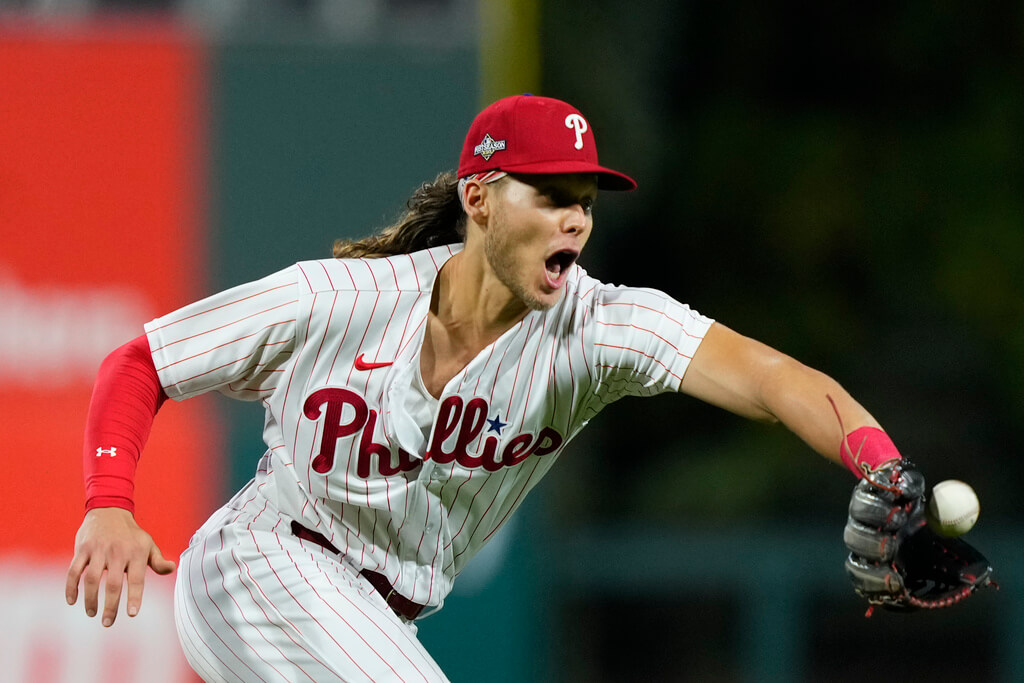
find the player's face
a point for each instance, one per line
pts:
(541, 223)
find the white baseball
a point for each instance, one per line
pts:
(953, 508)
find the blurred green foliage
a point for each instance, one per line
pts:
(842, 181)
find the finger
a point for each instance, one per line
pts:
(136, 585)
(78, 564)
(872, 579)
(158, 563)
(91, 585)
(869, 543)
(115, 580)
(874, 511)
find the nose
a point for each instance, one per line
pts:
(575, 219)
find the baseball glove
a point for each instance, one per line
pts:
(896, 560)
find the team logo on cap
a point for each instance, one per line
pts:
(579, 124)
(488, 147)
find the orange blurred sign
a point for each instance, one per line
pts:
(101, 186)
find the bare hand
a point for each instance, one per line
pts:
(110, 540)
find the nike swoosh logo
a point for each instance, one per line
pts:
(366, 365)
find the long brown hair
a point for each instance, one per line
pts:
(433, 217)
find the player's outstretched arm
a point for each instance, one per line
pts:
(894, 561)
(110, 541)
(756, 381)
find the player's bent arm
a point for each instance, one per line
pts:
(751, 379)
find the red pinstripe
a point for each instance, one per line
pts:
(568, 360)
(585, 295)
(419, 545)
(291, 375)
(363, 613)
(644, 329)
(219, 367)
(244, 506)
(369, 269)
(177, 321)
(269, 619)
(354, 630)
(387, 551)
(628, 381)
(309, 379)
(483, 515)
(490, 401)
(529, 389)
(329, 280)
(233, 341)
(366, 329)
(511, 401)
(415, 271)
(192, 623)
(433, 561)
(412, 336)
(472, 503)
(661, 312)
(308, 613)
(457, 492)
(202, 571)
(515, 503)
(515, 380)
(384, 334)
(310, 476)
(227, 325)
(305, 276)
(349, 271)
(405, 328)
(394, 272)
(373, 531)
(348, 380)
(583, 346)
(258, 514)
(234, 386)
(645, 355)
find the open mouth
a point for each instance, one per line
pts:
(558, 264)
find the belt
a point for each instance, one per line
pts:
(398, 603)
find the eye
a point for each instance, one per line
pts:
(588, 204)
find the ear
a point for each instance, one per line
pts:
(477, 198)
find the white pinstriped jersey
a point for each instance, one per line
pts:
(332, 349)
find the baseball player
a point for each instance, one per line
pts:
(417, 386)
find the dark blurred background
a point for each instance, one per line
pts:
(842, 181)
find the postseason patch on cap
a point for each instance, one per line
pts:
(488, 146)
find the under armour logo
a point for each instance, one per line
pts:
(488, 147)
(112, 451)
(580, 124)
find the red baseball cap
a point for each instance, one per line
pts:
(530, 134)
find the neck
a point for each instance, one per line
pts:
(467, 313)
(472, 303)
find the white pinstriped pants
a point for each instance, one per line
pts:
(254, 605)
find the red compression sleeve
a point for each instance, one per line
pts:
(866, 450)
(125, 399)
